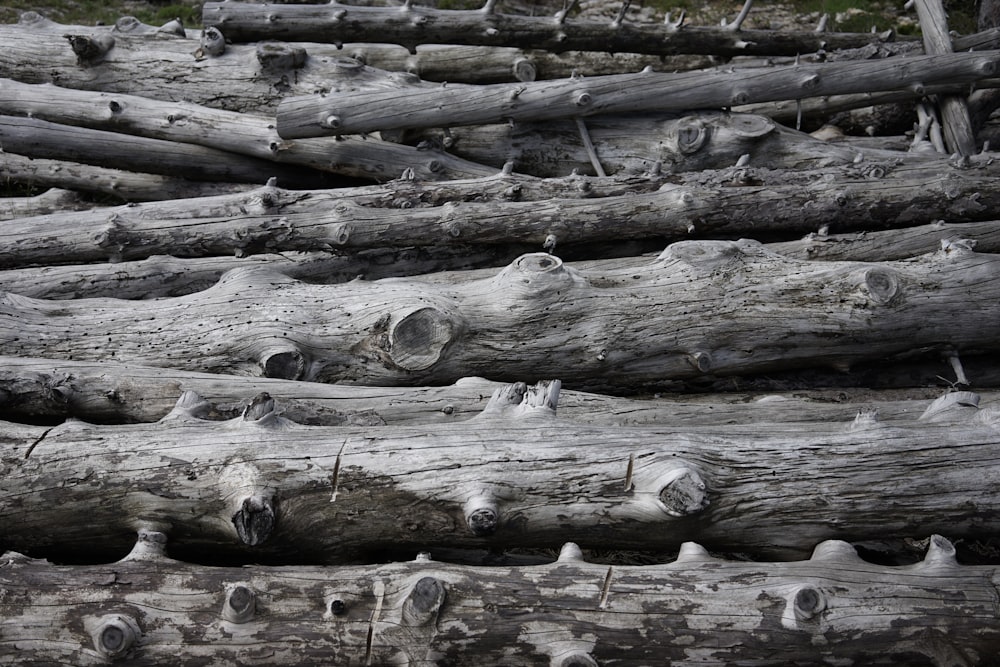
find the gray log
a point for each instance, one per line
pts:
(131, 186)
(696, 610)
(46, 202)
(446, 106)
(895, 244)
(112, 392)
(41, 139)
(412, 25)
(516, 476)
(704, 307)
(868, 195)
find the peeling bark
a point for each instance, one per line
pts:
(696, 610)
(354, 492)
(703, 308)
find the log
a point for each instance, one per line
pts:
(867, 195)
(697, 609)
(111, 392)
(242, 134)
(412, 25)
(515, 476)
(446, 106)
(49, 201)
(123, 185)
(633, 144)
(895, 244)
(41, 139)
(703, 308)
(245, 78)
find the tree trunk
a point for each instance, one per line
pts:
(242, 134)
(516, 476)
(703, 308)
(111, 392)
(697, 610)
(50, 201)
(651, 92)
(412, 25)
(732, 202)
(131, 186)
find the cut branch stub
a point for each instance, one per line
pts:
(240, 604)
(89, 48)
(255, 520)
(287, 364)
(807, 602)
(482, 515)
(149, 545)
(115, 635)
(577, 659)
(424, 601)
(682, 492)
(417, 340)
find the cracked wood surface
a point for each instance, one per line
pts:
(697, 610)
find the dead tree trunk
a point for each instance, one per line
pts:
(704, 307)
(516, 476)
(895, 244)
(651, 92)
(732, 202)
(698, 609)
(412, 25)
(50, 201)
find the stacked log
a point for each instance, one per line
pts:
(320, 349)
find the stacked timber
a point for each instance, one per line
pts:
(359, 335)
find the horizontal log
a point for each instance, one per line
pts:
(742, 201)
(112, 392)
(894, 244)
(703, 308)
(49, 201)
(515, 476)
(412, 25)
(132, 186)
(651, 92)
(697, 609)
(241, 134)
(41, 139)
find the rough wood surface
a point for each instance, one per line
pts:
(412, 25)
(739, 201)
(242, 134)
(50, 201)
(111, 392)
(697, 610)
(652, 92)
(702, 308)
(515, 476)
(894, 244)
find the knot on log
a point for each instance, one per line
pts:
(482, 515)
(536, 275)
(835, 551)
(149, 545)
(690, 134)
(115, 635)
(682, 492)
(417, 340)
(286, 364)
(240, 604)
(802, 605)
(706, 255)
(881, 285)
(255, 520)
(277, 56)
(422, 604)
(518, 400)
(90, 48)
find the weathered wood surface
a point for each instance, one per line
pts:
(168, 67)
(516, 476)
(35, 138)
(131, 186)
(112, 392)
(742, 201)
(703, 308)
(241, 134)
(412, 25)
(894, 244)
(652, 92)
(50, 201)
(696, 610)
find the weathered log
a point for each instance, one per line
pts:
(683, 317)
(633, 144)
(697, 610)
(244, 78)
(112, 392)
(867, 195)
(446, 106)
(895, 244)
(412, 25)
(959, 134)
(128, 185)
(49, 201)
(37, 138)
(515, 476)
(242, 134)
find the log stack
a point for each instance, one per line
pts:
(358, 335)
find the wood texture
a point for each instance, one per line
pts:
(697, 610)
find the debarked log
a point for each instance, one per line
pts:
(696, 610)
(734, 202)
(242, 134)
(894, 244)
(49, 201)
(411, 25)
(113, 392)
(647, 91)
(262, 487)
(702, 309)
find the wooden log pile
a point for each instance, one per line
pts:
(365, 335)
